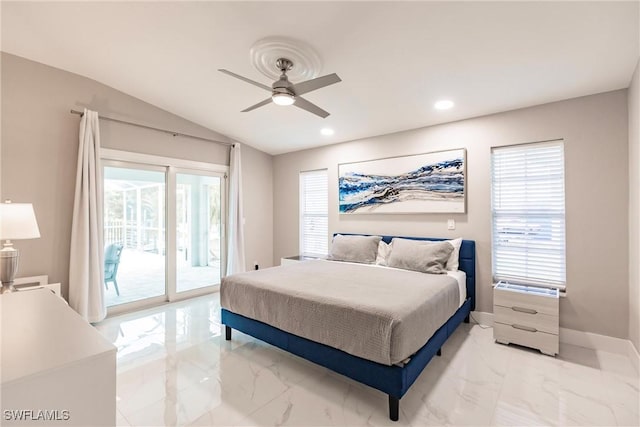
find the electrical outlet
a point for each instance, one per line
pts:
(451, 224)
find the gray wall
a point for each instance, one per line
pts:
(634, 208)
(596, 143)
(257, 187)
(39, 155)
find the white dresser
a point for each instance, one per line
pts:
(56, 369)
(526, 315)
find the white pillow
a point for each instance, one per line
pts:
(425, 256)
(453, 262)
(383, 253)
(354, 248)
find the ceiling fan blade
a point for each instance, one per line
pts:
(317, 83)
(265, 87)
(308, 106)
(259, 104)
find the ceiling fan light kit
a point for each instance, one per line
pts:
(283, 92)
(282, 99)
(282, 95)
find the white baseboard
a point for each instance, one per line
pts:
(634, 356)
(482, 318)
(594, 341)
(581, 339)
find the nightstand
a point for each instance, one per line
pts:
(298, 258)
(526, 315)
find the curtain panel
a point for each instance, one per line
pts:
(86, 261)
(235, 235)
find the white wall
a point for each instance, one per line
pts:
(596, 143)
(40, 145)
(634, 208)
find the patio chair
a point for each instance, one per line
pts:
(111, 261)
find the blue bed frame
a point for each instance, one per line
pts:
(392, 380)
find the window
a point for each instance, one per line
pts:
(314, 223)
(528, 213)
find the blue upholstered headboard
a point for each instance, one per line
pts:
(467, 261)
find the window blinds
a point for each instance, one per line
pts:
(528, 210)
(314, 224)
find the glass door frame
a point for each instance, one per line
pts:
(171, 166)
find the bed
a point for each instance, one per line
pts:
(388, 356)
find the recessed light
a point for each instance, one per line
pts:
(327, 131)
(443, 104)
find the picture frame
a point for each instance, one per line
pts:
(433, 182)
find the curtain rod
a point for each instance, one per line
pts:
(170, 132)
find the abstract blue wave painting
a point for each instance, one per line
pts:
(421, 183)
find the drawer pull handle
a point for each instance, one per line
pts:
(524, 310)
(525, 328)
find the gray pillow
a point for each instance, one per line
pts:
(362, 249)
(420, 255)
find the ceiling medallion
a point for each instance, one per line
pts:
(265, 53)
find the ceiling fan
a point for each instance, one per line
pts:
(283, 92)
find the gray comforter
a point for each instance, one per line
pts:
(380, 314)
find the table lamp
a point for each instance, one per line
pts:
(17, 222)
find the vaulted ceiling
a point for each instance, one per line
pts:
(395, 58)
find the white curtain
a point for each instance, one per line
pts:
(235, 234)
(86, 264)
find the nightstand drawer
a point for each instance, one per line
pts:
(526, 317)
(526, 302)
(506, 334)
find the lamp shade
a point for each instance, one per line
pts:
(18, 221)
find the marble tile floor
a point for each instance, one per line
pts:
(175, 368)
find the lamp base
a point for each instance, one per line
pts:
(8, 267)
(7, 288)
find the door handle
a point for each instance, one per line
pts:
(524, 328)
(524, 310)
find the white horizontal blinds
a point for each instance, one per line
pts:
(528, 213)
(314, 223)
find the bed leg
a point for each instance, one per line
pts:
(394, 408)
(227, 333)
(439, 352)
(467, 319)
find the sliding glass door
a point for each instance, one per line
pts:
(134, 233)
(142, 260)
(199, 208)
